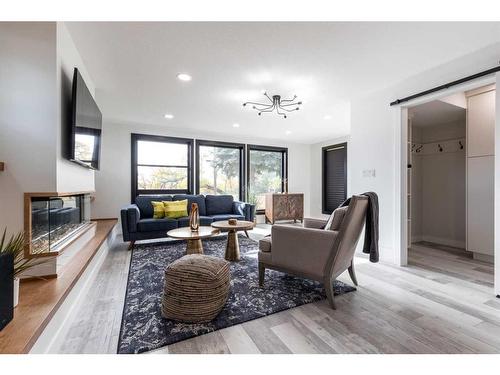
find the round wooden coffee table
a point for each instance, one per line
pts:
(194, 245)
(232, 245)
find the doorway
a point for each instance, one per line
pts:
(450, 184)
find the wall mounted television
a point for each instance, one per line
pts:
(86, 125)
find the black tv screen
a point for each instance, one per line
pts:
(86, 125)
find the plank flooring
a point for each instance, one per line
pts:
(40, 298)
(442, 302)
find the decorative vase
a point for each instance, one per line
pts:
(16, 291)
(194, 218)
(6, 289)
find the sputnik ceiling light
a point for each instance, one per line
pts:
(276, 104)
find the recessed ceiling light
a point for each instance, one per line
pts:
(288, 132)
(168, 116)
(236, 125)
(327, 117)
(184, 77)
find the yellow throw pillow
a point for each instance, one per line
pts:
(158, 210)
(176, 209)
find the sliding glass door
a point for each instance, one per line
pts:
(220, 168)
(267, 173)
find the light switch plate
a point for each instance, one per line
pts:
(369, 173)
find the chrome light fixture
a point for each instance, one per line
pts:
(276, 104)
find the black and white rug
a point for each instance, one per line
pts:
(143, 328)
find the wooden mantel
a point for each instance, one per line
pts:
(40, 299)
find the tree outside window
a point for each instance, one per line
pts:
(219, 170)
(266, 174)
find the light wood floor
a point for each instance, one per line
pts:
(442, 302)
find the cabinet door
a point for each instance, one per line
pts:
(480, 207)
(281, 207)
(481, 124)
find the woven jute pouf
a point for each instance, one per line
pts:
(196, 288)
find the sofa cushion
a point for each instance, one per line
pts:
(175, 209)
(219, 204)
(145, 206)
(227, 217)
(158, 210)
(199, 199)
(336, 218)
(154, 225)
(265, 244)
(204, 221)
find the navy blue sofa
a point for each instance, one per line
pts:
(138, 223)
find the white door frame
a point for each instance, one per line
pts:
(400, 120)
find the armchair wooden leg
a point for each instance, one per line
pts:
(352, 273)
(246, 233)
(330, 293)
(262, 273)
(131, 245)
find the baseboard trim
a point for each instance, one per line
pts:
(441, 241)
(483, 257)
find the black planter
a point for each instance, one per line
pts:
(6, 289)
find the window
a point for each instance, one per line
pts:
(334, 177)
(220, 168)
(87, 145)
(267, 172)
(161, 165)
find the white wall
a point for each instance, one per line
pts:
(375, 134)
(457, 99)
(71, 177)
(316, 174)
(439, 194)
(416, 190)
(113, 181)
(497, 190)
(35, 58)
(28, 116)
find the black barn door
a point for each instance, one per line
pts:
(334, 176)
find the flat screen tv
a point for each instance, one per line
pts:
(86, 125)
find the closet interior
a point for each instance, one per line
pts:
(451, 174)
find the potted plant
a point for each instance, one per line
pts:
(14, 249)
(6, 288)
(253, 200)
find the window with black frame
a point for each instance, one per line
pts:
(219, 169)
(161, 165)
(267, 171)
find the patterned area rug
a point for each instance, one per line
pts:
(143, 328)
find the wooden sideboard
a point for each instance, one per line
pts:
(286, 206)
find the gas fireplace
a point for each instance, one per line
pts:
(54, 221)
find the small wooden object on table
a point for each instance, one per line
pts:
(232, 245)
(194, 245)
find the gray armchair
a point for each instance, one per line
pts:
(313, 252)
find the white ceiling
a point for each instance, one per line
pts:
(134, 67)
(436, 113)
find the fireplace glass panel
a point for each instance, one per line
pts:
(54, 220)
